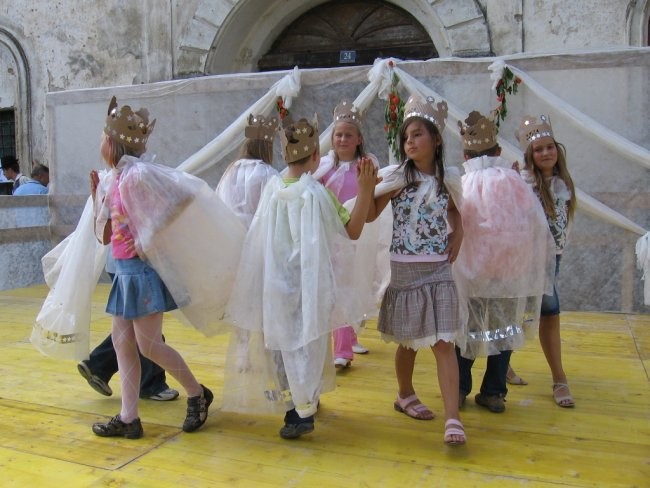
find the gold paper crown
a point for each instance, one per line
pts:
(132, 129)
(261, 128)
(347, 112)
(529, 130)
(417, 107)
(303, 140)
(479, 133)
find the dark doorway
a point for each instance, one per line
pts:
(348, 33)
(7, 133)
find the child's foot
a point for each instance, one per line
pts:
(562, 395)
(293, 431)
(454, 433)
(116, 428)
(295, 425)
(342, 363)
(513, 379)
(359, 349)
(197, 410)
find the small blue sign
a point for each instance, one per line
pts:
(347, 56)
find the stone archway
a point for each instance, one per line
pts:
(225, 38)
(22, 102)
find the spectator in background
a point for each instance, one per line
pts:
(11, 171)
(37, 185)
(40, 173)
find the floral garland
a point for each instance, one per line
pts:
(394, 115)
(508, 83)
(282, 110)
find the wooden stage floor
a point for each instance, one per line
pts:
(46, 411)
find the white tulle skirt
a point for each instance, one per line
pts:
(506, 261)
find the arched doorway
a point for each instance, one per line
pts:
(370, 29)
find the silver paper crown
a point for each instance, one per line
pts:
(347, 112)
(124, 126)
(418, 107)
(478, 133)
(303, 139)
(261, 128)
(530, 130)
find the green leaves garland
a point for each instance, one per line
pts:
(508, 84)
(393, 116)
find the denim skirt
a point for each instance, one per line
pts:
(137, 291)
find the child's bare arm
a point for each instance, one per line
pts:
(456, 236)
(107, 231)
(367, 178)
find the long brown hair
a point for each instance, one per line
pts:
(257, 149)
(560, 169)
(410, 171)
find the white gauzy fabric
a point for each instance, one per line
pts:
(287, 286)
(241, 186)
(373, 243)
(643, 263)
(507, 259)
(71, 270)
(232, 136)
(176, 220)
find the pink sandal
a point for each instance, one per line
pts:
(413, 407)
(454, 427)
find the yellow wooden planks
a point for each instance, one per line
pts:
(47, 409)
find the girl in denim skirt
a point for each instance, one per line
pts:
(546, 170)
(138, 297)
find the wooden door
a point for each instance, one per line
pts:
(348, 33)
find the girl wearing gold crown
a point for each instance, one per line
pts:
(421, 306)
(287, 285)
(153, 260)
(338, 172)
(546, 170)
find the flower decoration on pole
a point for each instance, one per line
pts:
(282, 110)
(393, 116)
(507, 84)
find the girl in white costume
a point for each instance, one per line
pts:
(546, 170)
(506, 262)
(338, 172)
(286, 285)
(249, 366)
(138, 296)
(420, 306)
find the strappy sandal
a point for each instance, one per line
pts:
(454, 427)
(564, 401)
(413, 407)
(513, 379)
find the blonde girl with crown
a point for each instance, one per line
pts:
(287, 285)
(420, 308)
(127, 204)
(338, 172)
(546, 171)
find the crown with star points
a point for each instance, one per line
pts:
(259, 127)
(347, 112)
(425, 109)
(299, 139)
(478, 132)
(124, 126)
(530, 130)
